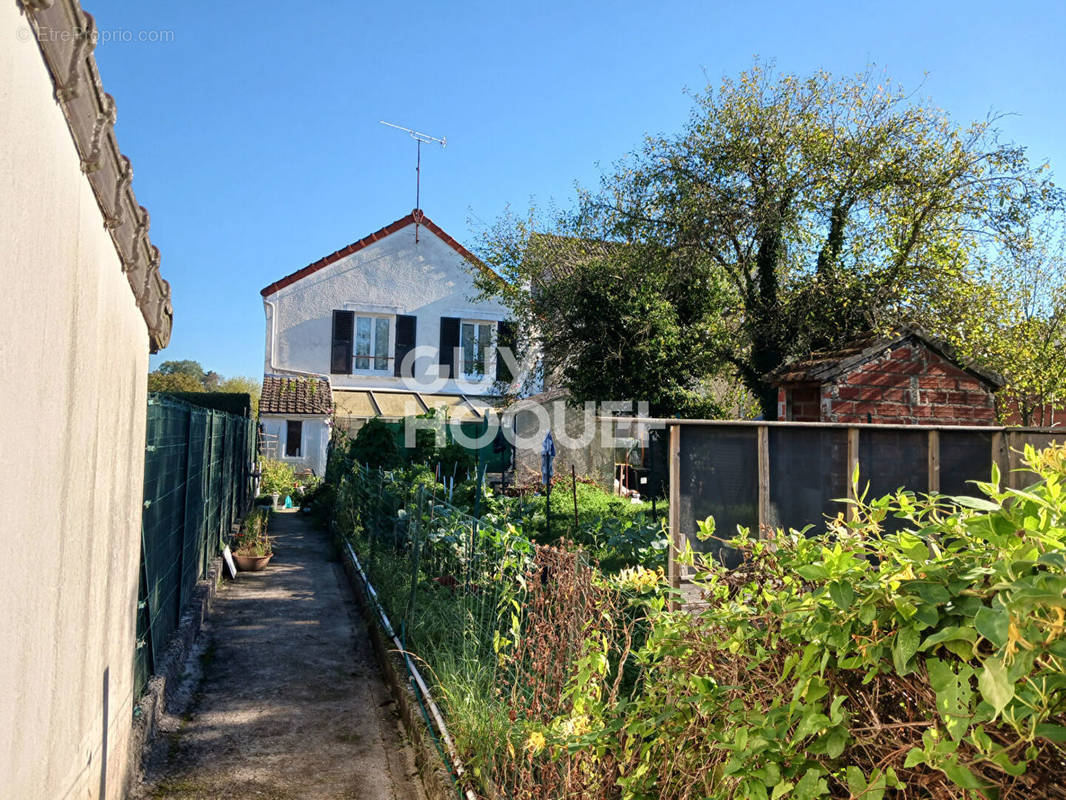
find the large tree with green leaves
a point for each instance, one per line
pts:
(805, 212)
(1014, 321)
(190, 376)
(160, 381)
(187, 367)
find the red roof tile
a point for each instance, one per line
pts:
(295, 395)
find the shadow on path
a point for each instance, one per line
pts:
(290, 704)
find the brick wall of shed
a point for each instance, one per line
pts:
(799, 402)
(909, 385)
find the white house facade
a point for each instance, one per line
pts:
(391, 321)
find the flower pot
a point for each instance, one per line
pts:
(251, 563)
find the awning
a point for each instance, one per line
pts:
(370, 403)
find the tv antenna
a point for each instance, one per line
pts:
(419, 138)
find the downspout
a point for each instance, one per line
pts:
(272, 368)
(273, 334)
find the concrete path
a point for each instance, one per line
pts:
(290, 703)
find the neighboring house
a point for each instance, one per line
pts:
(907, 378)
(392, 323)
(83, 305)
(294, 415)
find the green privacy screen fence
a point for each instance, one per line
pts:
(197, 482)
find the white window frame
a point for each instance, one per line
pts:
(490, 350)
(390, 348)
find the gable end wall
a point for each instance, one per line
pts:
(908, 385)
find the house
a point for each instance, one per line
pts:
(391, 322)
(83, 305)
(295, 418)
(904, 378)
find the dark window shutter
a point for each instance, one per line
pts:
(405, 342)
(293, 436)
(341, 349)
(504, 338)
(449, 342)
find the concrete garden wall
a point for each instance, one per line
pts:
(73, 360)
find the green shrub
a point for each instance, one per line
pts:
(930, 661)
(612, 529)
(277, 477)
(375, 446)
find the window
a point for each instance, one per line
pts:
(475, 342)
(294, 435)
(372, 344)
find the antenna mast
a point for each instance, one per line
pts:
(419, 138)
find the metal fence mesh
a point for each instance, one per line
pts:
(196, 483)
(719, 478)
(965, 456)
(808, 469)
(439, 572)
(808, 473)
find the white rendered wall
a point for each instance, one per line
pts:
(74, 360)
(313, 447)
(394, 275)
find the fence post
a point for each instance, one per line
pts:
(764, 480)
(997, 453)
(184, 511)
(673, 567)
(853, 463)
(1014, 476)
(933, 447)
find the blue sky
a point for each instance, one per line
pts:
(256, 147)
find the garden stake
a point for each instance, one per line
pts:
(573, 479)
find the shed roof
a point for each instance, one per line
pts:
(295, 394)
(825, 365)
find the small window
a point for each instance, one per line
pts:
(372, 344)
(475, 342)
(294, 435)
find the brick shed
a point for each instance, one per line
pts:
(906, 378)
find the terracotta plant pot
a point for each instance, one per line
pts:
(251, 563)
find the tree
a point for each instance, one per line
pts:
(243, 385)
(173, 382)
(812, 210)
(189, 376)
(1016, 322)
(190, 368)
(616, 322)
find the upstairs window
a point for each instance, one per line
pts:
(475, 341)
(372, 344)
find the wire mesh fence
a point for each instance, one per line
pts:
(496, 622)
(442, 575)
(196, 484)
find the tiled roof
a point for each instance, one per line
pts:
(558, 256)
(415, 216)
(825, 365)
(66, 36)
(283, 394)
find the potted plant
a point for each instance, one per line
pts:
(252, 547)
